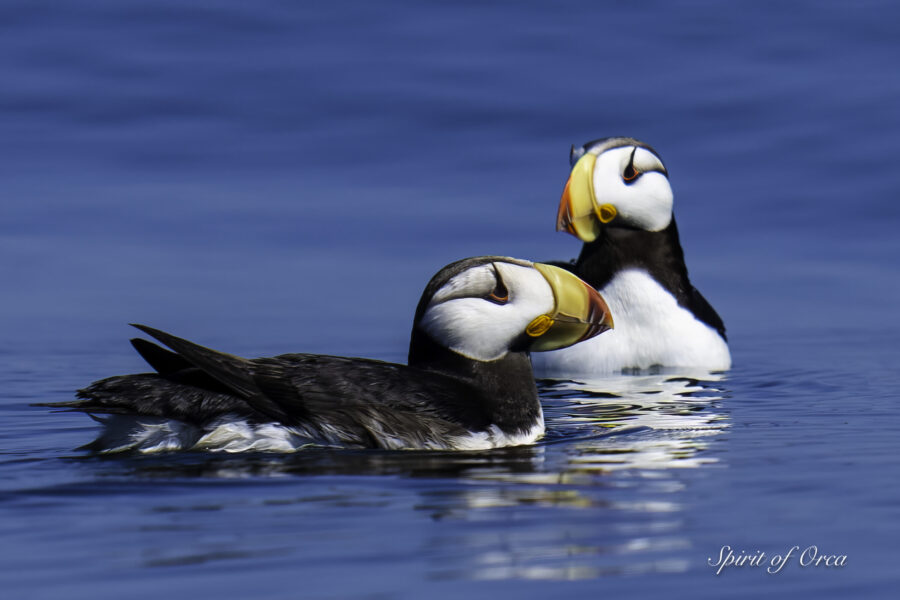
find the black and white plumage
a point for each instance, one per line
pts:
(618, 201)
(468, 384)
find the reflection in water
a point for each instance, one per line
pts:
(604, 498)
(666, 421)
(601, 495)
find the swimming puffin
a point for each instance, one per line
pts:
(618, 201)
(468, 384)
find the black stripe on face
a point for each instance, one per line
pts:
(630, 174)
(499, 295)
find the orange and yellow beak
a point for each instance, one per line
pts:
(579, 312)
(579, 213)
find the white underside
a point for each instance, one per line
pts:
(494, 437)
(651, 329)
(232, 434)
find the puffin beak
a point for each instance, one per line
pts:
(579, 312)
(576, 207)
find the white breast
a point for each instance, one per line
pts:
(650, 329)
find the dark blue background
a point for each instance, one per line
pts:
(273, 176)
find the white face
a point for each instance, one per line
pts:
(464, 316)
(630, 178)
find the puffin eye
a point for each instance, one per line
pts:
(499, 295)
(630, 173)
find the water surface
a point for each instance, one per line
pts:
(268, 178)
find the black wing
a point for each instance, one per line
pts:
(704, 311)
(353, 400)
(163, 361)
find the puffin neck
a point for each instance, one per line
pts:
(616, 249)
(505, 386)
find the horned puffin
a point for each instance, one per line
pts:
(468, 383)
(618, 201)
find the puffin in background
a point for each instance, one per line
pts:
(618, 201)
(468, 384)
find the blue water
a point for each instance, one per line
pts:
(269, 177)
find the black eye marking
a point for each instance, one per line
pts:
(630, 173)
(499, 295)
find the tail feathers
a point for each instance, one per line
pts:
(123, 394)
(152, 395)
(85, 404)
